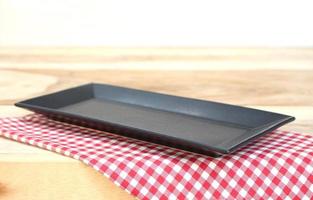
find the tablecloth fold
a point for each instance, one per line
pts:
(278, 165)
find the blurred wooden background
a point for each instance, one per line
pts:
(279, 80)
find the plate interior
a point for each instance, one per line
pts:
(211, 125)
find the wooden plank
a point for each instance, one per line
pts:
(156, 58)
(260, 87)
(55, 180)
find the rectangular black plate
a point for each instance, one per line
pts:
(199, 126)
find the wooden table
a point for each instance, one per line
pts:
(279, 80)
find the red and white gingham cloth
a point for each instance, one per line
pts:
(276, 166)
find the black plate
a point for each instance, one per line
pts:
(200, 126)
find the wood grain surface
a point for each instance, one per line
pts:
(278, 80)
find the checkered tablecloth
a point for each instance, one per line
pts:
(276, 166)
